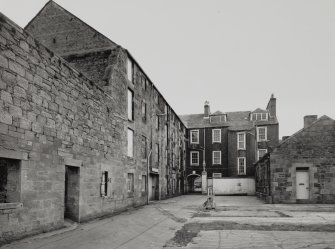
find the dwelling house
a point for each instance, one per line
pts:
(301, 169)
(83, 130)
(225, 145)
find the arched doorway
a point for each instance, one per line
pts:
(194, 183)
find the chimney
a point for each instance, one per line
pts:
(309, 119)
(272, 106)
(206, 109)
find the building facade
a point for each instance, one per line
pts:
(84, 132)
(302, 168)
(226, 145)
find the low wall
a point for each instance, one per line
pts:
(234, 186)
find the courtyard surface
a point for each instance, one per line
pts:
(182, 222)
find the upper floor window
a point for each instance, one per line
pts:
(259, 116)
(216, 135)
(157, 153)
(241, 165)
(130, 104)
(216, 157)
(144, 111)
(157, 122)
(261, 153)
(130, 70)
(262, 133)
(194, 136)
(241, 140)
(130, 145)
(144, 147)
(195, 158)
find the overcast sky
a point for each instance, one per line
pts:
(234, 54)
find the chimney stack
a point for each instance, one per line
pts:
(272, 106)
(206, 109)
(309, 119)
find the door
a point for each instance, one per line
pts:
(71, 195)
(302, 185)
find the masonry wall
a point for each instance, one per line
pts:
(313, 149)
(52, 116)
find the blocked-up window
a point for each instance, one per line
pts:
(130, 104)
(157, 153)
(144, 147)
(144, 183)
(241, 164)
(262, 133)
(241, 140)
(216, 157)
(130, 145)
(216, 134)
(130, 70)
(10, 180)
(144, 111)
(194, 158)
(157, 122)
(130, 182)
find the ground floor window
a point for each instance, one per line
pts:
(10, 180)
(130, 184)
(241, 164)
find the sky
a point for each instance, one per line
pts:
(234, 54)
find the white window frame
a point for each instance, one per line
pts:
(130, 143)
(238, 166)
(258, 133)
(213, 161)
(130, 69)
(266, 151)
(197, 153)
(238, 141)
(191, 137)
(213, 137)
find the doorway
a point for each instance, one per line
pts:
(302, 184)
(71, 195)
(153, 187)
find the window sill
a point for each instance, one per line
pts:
(13, 205)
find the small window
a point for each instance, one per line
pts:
(216, 135)
(262, 133)
(217, 175)
(130, 140)
(216, 157)
(166, 134)
(144, 111)
(241, 140)
(195, 158)
(261, 153)
(144, 147)
(130, 70)
(241, 165)
(144, 183)
(130, 182)
(104, 183)
(194, 136)
(130, 104)
(10, 180)
(157, 153)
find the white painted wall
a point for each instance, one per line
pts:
(231, 186)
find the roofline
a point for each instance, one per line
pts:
(52, 1)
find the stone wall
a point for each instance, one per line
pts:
(313, 149)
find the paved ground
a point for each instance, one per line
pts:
(181, 222)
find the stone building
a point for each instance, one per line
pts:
(226, 145)
(302, 168)
(83, 130)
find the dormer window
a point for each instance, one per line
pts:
(259, 116)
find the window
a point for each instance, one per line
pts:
(194, 136)
(104, 183)
(166, 134)
(144, 147)
(241, 165)
(157, 122)
(195, 158)
(262, 133)
(130, 70)
(261, 153)
(130, 152)
(216, 157)
(144, 110)
(9, 180)
(157, 153)
(259, 116)
(144, 183)
(130, 184)
(241, 140)
(217, 175)
(216, 135)
(130, 104)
